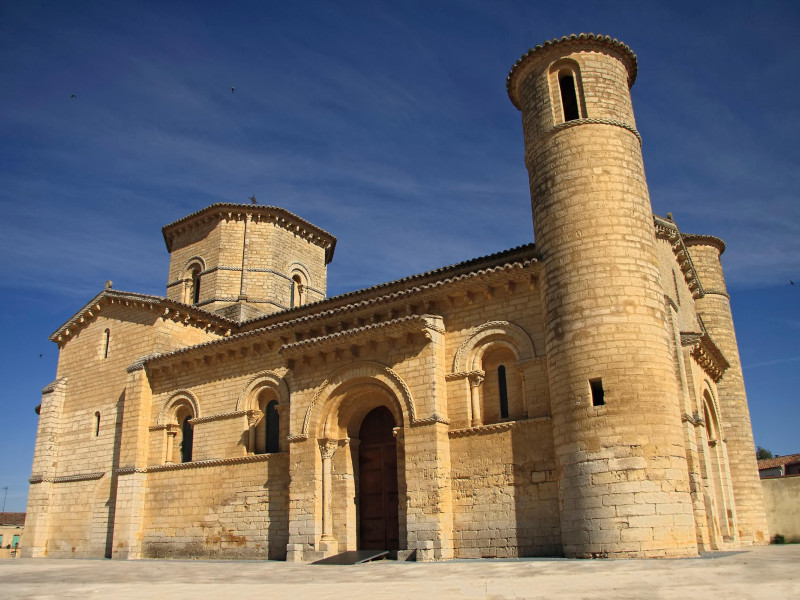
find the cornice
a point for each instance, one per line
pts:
(66, 478)
(697, 239)
(361, 335)
(257, 213)
(520, 256)
(220, 417)
(494, 427)
(54, 385)
(173, 310)
(668, 230)
(279, 331)
(706, 353)
(620, 49)
(200, 464)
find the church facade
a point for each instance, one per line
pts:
(581, 397)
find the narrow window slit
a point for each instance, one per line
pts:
(569, 99)
(97, 424)
(187, 438)
(598, 395)
(272, 427)
(501, 381)
(106, 342)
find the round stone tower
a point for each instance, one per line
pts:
(715, 310)
(623, 477)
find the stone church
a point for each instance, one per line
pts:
(579, 397)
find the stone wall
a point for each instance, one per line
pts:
(505, 493)
(782, 505)
(219, 511)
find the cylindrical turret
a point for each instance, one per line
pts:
(623, 478)
(715, 310)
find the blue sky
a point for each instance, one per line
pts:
(385, 123)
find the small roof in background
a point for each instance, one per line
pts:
(768, 463)
(12, 518)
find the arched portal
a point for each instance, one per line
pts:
(377, 489)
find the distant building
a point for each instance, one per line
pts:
(11, 526)
(779, 466)
(580, 397)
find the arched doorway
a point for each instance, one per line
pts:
(377, 487)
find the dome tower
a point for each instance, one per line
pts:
(623, 478)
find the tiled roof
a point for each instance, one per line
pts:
(769, 463)
(498, 262)
(139, 300)
(12, 518)
(315, 234)
(450, 271)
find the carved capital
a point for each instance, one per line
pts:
(253, 417)
(476, 378)
(328, 448)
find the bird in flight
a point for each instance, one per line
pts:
(792, 282)
(73, 96)
(253, 199)
(233, 88)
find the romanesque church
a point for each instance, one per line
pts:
(579, 397)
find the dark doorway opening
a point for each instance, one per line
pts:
(377, 486)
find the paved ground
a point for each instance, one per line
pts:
(761, 573)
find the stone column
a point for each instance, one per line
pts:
(253, 417)
(327, 544)
(172, 432)
(475, 382)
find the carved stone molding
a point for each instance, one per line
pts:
(67, 478)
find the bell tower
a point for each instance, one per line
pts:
(623, 481)
(243, 261)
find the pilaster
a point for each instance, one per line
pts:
(131, 481)
(45, 461)
(429, 514)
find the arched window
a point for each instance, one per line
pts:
(191, 280)
(569, 96)
(273, 443)
(106, 342)
(196, 285)
(97, 424)
(566, 91)
(267, 431)
(298, 290)
(503, 390)
(187, 438)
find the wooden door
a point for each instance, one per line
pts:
(377, 489)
